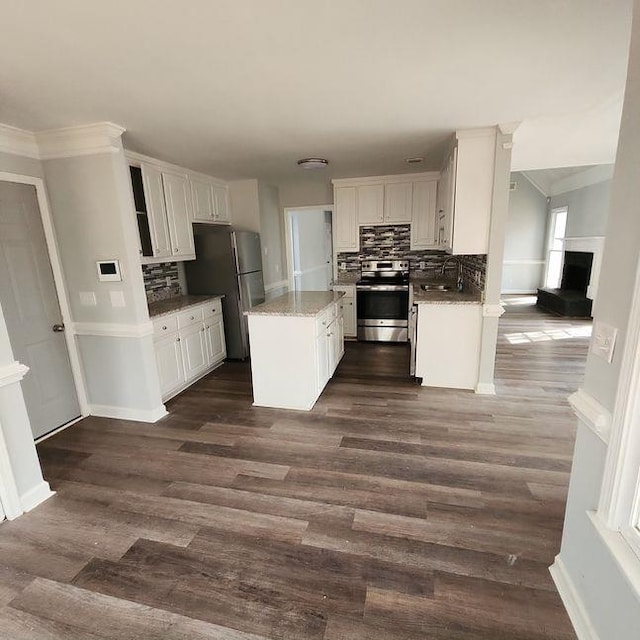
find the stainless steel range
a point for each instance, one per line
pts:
(383, 301)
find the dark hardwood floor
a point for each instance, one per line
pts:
(389, 512)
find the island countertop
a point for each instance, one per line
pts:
(296, 303)
(445, 297)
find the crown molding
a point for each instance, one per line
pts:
(18, 142)
(478, 132)
(100, 137)
(591, 175)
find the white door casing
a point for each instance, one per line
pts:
(31, 309)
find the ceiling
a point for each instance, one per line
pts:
(243, 88)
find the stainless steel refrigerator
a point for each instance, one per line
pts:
(228, 262)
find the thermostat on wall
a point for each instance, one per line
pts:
(109, 270)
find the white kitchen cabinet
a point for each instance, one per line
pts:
(156, 211)
(397, 202)
(370, 203)
(448, 345)
(345, 224)
(179, 213)
(214, 339)
(221, 209)
(188, 344)
(467, 192)
(424, 216)
(322, 360)
(194, 350)
(202, 196)
(169, 362)
(348, 306)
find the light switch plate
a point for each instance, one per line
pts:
(88, 298)
(603, 340)
(117, 299)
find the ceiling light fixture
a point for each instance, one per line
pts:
(313, 163)
(416, 160)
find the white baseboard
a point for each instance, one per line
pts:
(32, 498)
(486, 389)
(518, 292)
(125, 413)
(572, 602)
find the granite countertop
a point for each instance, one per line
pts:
(171, 305)
(445, 297)
(346, 280)
(297, 303)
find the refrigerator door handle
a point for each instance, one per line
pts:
(234, 251)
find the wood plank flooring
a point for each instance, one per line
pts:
(390, 511)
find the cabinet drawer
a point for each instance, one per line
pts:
(164, 326)
(213, 308)
(189, 317)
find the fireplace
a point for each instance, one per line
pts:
(571, 298)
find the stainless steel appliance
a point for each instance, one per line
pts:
(228, 262)
(383, 301)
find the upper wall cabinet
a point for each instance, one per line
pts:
(408, 199)
(465, 197)
(210, 201)
(179, 213)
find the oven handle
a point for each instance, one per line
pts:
(382, 287)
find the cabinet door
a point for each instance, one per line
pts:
(424, 217)
(349, 315)
(156, 211)
(202, 196)
(339, 338)
(370, 204)
(397, 202)
(194, 352)
(322, 358)
(169, 361)
(221, 212)
(178, 199)
(216, 347)
(346, 223)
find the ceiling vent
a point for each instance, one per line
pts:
(313, 163)
(417, 160)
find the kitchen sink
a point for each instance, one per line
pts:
(437, 287)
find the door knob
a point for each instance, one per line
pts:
(58, 328)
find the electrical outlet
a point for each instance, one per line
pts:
(603, 340)
(167, 281)
(423, 264)
(117, 299)
(88, 298)
(343, 266)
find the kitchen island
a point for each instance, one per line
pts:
(296, 343)
(448, 337)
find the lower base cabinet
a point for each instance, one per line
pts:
(185, 353)
(348, 304)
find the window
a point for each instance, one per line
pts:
(557, 230)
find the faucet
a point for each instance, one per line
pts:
(459, 282)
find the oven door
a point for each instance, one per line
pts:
(383, 313)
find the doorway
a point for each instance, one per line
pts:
(309, 248)
(32, 312)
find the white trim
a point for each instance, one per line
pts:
(486, 389)
(592, 414)
(99, 137)
(113, 330)
(58, 278)
(588, 244)
(507, 262)
(12, 373)
(620, 477)
(46, 436)
(124, 413)
(281, 284)
(18, 142)
(8, 491)
(492, 310)
(534, 183)
(518, 292)
(32, 498)
(427, 176)
(586, 178)
(572, 602)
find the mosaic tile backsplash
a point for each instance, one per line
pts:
(393, 242)
(155, 281)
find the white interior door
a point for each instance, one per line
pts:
(32, 313)
(312, 250)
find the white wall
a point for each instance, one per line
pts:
(524, 251)
(271, 235)
(588, 209)
(612, 605)
(92, 211)
(306, 191)
(245, 205)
